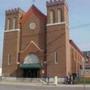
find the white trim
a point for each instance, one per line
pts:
(59, 23)
(29, 45)
(18, 43)
(35, 44)
(12, 30)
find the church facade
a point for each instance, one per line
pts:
(37, 45)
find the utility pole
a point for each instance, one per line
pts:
(84, 88)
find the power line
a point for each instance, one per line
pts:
(80, 26)
(32, 35)
(59, 37)
(73, 27)
(57, 48)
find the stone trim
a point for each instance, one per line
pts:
(31, 42)
(51, 24)
(12, 30)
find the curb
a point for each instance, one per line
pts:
(40, 84)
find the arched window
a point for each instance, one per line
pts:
(9, 59)
(14, 23)
(52, 16)
(59, 15)
(8, 24)
(55, 58)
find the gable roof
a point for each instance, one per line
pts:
(34, 10)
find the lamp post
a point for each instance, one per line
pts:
(44, 69)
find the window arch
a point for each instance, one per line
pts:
(31, 59)
(52, 16)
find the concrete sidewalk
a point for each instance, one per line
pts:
(20, 83)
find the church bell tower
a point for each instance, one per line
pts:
(11, 41)
(58, 52)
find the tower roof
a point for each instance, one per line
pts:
(13, 11)
(76, 47)
(34, 10)
(55, 2)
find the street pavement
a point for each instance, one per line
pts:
(20, 87)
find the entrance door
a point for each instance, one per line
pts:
(31, 73)
(31, 66)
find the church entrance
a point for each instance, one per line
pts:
(31, 67)
(31, 70)
(31, 73)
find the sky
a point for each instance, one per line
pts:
(79, 21)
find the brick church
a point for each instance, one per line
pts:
(37, 45)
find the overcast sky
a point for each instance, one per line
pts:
(79, 21)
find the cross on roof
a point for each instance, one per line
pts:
(33, 1)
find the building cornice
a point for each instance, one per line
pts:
(59, 23)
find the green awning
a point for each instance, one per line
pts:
(31, 66)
